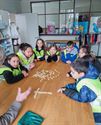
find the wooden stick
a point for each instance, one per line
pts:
(49, 93)
(36, 93)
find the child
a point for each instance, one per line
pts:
(26, 56)
(70, 53)
(87, 56)
(94, 63)
(53, 54)
(12, 70)
(87, 87)
(11, 114)
(83, 51)
(40, 50)
(84, 54)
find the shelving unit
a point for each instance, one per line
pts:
(59, 40)
(61, 44)
(5, 40)
(6, 44)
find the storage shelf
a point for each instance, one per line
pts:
(58, 35)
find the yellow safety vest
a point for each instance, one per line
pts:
(24, 60)
(95, 86)
(14, 71)
(57, 53)
(39, 54)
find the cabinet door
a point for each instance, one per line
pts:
(28, 27)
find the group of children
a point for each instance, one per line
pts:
(84, 68)
(16, 66)
(86, 71)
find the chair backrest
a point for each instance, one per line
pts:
(2, 58)
(2, 55)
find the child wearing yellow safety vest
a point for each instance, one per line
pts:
(85, 55)
(39, 50)
(70, 53)
(87, 88)
(26, 56)
(12, 70)
(53, 54)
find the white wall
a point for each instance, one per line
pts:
(13, 6)
(25, 5)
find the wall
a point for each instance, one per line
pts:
(13, 6)
(25, 5)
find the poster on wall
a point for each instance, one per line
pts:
(81, 27)
(51, 28)
(95, 25)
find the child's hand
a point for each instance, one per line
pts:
(23, 96)
(58, 59)
(46, 57)
(35, 60)
(38, 59)
(68, 62)
(61, 90)
(32, 65)
(67, 75)
(24, 73)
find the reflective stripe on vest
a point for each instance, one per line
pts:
(39, 54)
(24, 60)
(17, 71)
(14, 71)
(48, 53)
(4, 68)
(66, 52)
(95, 86)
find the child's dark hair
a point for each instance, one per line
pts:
(85, 49)
(90, 59)
(43, 46)
(9, 57)
(80, 66)
(69, 43)
(24, 46)
(53, 45)
(87, 58)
